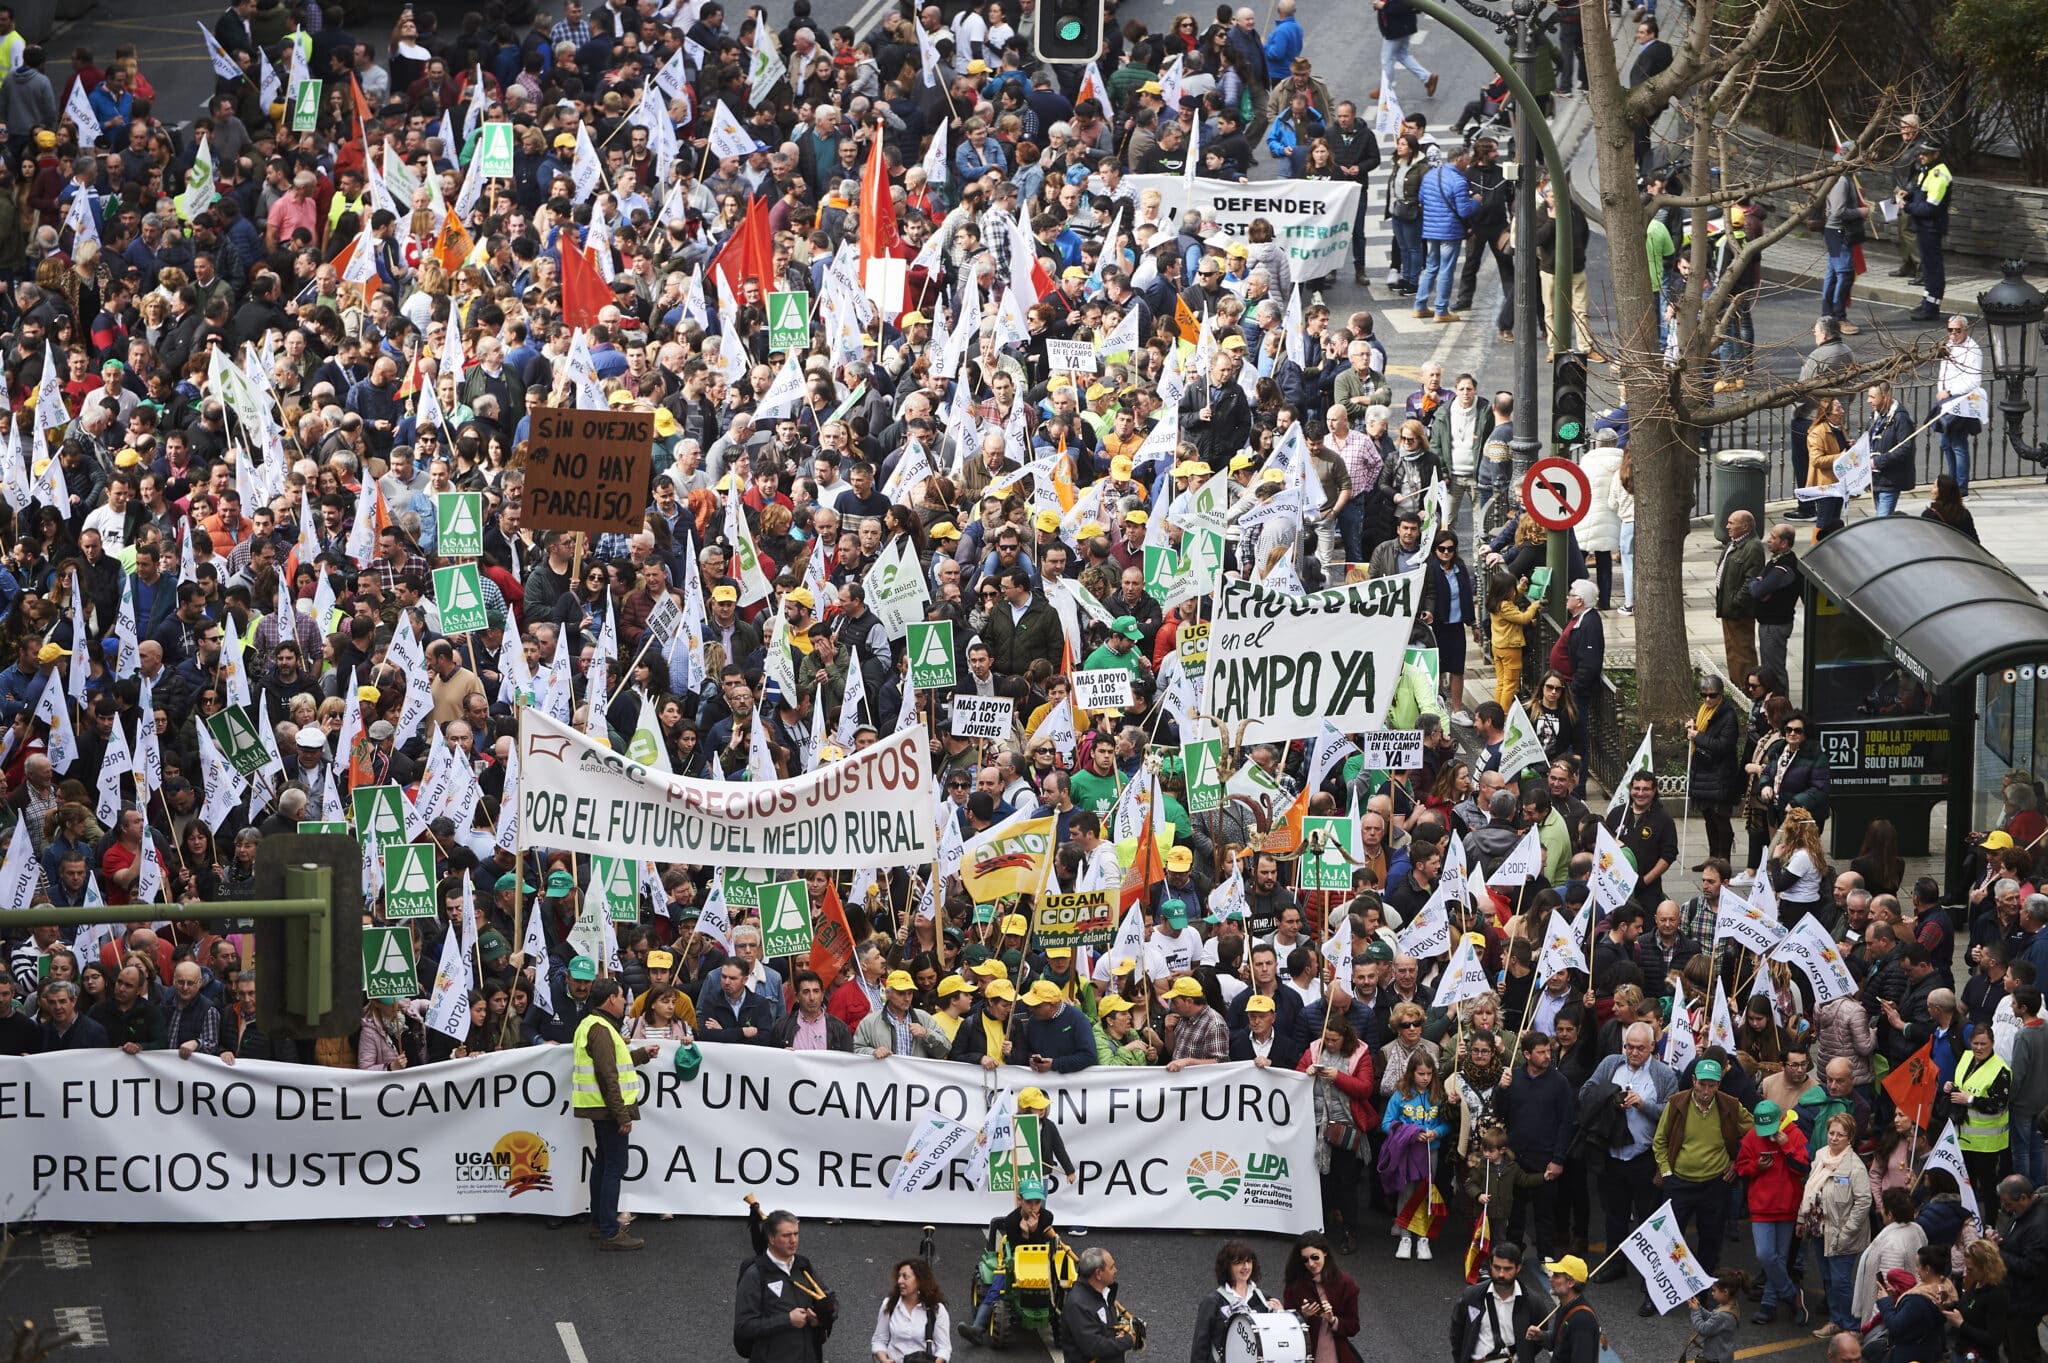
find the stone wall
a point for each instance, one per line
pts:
(1989, 220)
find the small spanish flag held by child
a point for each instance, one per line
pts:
(1423, 1212)
(1479, 1253)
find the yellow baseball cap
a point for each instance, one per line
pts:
(1032, 1100)
(899, 979)
(1258, 1003)
(1240, 462)
(1047, 521)
(1572, 1266)
(1136, 516)
(51, 653)
(1073, 272)
(1185, 987)
(944, 530)
(725, 594)
(1238, 248)
(1058, 953)
(914, 319)
(1233, 342)
(1091, 530)
(802, 596)
(565, 140)
(1045, 991)
(1125, 966)
(1015, 923)
(1120, 467)
(952, 985)
(1001, 989)
(1179, 859)
(1115, 1003)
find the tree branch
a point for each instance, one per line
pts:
(1835, 383)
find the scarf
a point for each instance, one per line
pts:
(1825, 1163)
(1705, 714)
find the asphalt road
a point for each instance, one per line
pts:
(509, 1288)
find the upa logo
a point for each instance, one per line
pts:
(1213, 1175)
(517, 1164)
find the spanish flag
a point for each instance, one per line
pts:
(1423, 1212)
(1479, 1253)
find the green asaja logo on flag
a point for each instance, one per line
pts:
(931, 655)
(459, 592)
(460, 524)
(785, 918)
(1203, 763)
(408, 880)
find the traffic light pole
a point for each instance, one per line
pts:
(308, 938)
(1526, 446)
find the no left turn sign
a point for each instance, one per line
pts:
(1556, 493)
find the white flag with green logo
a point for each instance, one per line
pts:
(645, 746)
(1642, 761)
(1520, 749)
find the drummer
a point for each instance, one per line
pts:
(1029, 1223)
(1237, 1293)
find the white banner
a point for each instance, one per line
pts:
(1312, 217)
(1736, 917)
(1671, 1272)
(1809, 947)
(873, 808)
(1290, 662)
(104, 1136)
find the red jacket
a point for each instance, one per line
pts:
(849, 1003)
(1774, 1192)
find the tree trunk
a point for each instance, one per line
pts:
(1662, 449)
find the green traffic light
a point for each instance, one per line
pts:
(1070, 30)
(1568, 430)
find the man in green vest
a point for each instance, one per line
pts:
(606, 1089)
(1980, 1100)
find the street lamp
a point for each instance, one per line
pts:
(2013, 310)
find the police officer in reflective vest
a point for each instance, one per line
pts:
(1980, 1098)
(607, 1089)
(1927, 207)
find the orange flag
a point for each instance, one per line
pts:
(1146, 868)
(362, 108)
(1914, 1083)
(1190, 325)
(831, 938)
(453, 245)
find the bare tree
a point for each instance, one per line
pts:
(1720, 58)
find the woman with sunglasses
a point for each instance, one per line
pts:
(1449, 587)
(1325, 1296)
(1795, 774)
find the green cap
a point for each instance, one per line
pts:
(1127, 627)
(975, 954)
(688, 1060)
(1379, 950)
(1768, 1116)
(560, 884)
(491, 944)
(583, 968)
(1707, 1069)
(508, 880)
(1031, 1189)
(1176, 914)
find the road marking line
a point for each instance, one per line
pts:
(66, 1250)
(571, 1345)
(866, 16)
(86, 1325)
(1776, 1348)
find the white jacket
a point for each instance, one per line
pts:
(1962, 371)
(1600, 532)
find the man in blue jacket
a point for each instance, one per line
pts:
(1059, 1036)
(1448, 203)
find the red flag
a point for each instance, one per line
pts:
(584, 293)
(749, 253)
(877, 208)
(831, 938)
(1146, 868)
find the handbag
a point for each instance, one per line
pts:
(1854, 232)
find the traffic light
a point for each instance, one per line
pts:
(1070, 30)
(311, 978)
(1568, 402)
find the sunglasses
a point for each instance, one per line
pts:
(1447, 548)
(1406, 1025)
(1794, 730)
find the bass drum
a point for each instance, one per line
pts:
(1266, 1337)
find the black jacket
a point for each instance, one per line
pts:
(1540, 1114)
(1715, 770)
(1472, 1321)
(760, 1313)
(1892, 456)
(1285, 1052)
(1090, 1319)
(1776, 589)
(1600, 1119)
(1229, 426)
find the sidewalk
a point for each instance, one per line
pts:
(1800, 259)
(2008, 524)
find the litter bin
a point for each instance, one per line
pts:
(1738, 485)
